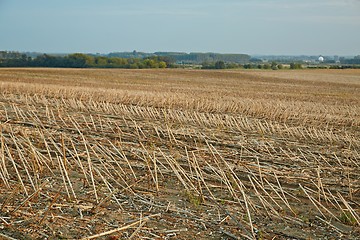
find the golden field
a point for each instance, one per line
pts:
(179, 154)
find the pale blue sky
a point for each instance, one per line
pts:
(277, 27)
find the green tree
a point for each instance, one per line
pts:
(220, 65)
(248, 66)
(274, 66)
(101, 61)
(266, 66)
(162, 64)
(80, 60)
(295, 66)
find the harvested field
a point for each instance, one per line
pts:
(179, 154)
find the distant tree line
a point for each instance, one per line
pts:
(124, 60)
(267, 66)
(273, 65)
(344, 67)
(133, 54)
(78, 60)
(11, 55)
(355, 60)
(138, 60)
(187, 58)
(220, 65)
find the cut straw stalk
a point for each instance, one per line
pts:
(16, 169)
(350, 209)
(49, 207)
(30, 197)
(3, 236)
(248, 214)
(23, 160)
(140, 221)
(4, 173)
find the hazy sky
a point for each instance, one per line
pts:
(287, 27)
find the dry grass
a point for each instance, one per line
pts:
(159, 154)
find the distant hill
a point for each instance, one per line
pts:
(133, 54)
